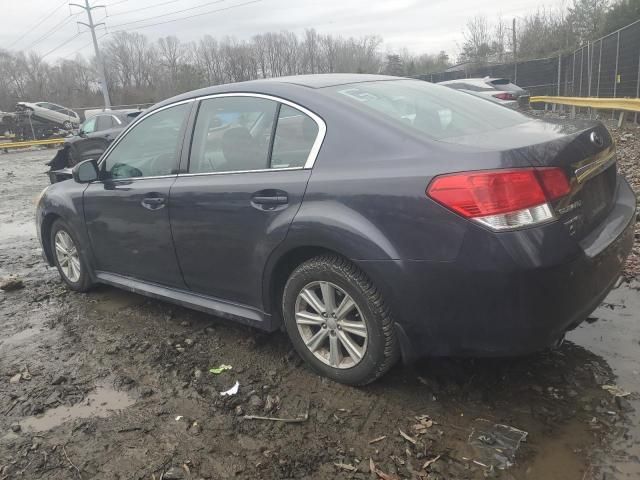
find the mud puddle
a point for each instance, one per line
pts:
(103, 402)
(615, 336)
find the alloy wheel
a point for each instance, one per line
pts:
(331, 324)
(67, 256)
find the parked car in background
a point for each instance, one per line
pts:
(372, 217)
(51, 113)
(92, 139)
(498, 90)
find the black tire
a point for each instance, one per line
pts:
(67, 125)
(83, 283)
(382, 349)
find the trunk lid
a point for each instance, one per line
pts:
(583, 149)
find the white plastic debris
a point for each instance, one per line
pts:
(232, 391)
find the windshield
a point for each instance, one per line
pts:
(436, 111)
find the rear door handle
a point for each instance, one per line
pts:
(270, 200)
(153, 203)
(270, 197)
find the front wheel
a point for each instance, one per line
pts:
(66, 253)
(67, 125)
(338, 322)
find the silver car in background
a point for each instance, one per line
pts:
(497, 90)
(50, 113)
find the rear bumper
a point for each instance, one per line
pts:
(509, 293)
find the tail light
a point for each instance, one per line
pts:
(502, 199)
(505, 96)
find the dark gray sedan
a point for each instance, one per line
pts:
(371, 217)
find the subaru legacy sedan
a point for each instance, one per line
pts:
(371, 217)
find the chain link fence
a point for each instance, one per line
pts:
(607, 67)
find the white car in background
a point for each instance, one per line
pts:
(51, 113)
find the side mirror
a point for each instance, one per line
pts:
(86, 172)
(81, 133)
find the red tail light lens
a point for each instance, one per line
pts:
(501, 199)
(505, 96)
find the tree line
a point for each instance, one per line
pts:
(141, 71)
(545, 31)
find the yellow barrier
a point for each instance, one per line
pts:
(50, 141)
(625, 104)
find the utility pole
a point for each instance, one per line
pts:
(103, 78)
(513, 32)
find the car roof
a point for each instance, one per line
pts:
(277, 85)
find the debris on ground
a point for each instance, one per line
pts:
(495, 444)
(11, 284)
(232, 391)
(616, 391)
(220, 369)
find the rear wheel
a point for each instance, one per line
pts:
(338, 321)
(67, 125)
(67, 258)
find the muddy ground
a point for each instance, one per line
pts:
(112, 385)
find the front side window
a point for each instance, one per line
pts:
(151, 148)
(232, 134)
(89, 126)
(435, 111)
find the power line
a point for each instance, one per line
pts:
(143, 8)
(62, 44)
(51, 31)
(85, 46)
(167, 21)
(187, 17)
(170, 13)
(44, 19)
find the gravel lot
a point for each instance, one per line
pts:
(112, 385)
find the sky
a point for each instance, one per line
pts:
(426, 26)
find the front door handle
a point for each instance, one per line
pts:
(153, 203)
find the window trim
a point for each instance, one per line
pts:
(139, 118)
(311, 159)
(313, 153)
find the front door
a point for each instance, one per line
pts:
(98, 134)
(245, 182)
(127, 213)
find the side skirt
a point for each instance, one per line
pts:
(230, 311)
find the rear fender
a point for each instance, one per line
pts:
(326, 226)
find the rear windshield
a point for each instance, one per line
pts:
(500, 81)
(433, 110)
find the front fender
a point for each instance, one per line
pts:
(63, 200)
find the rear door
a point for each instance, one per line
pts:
(127, 213)
(247, 174)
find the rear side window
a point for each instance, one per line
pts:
(436, 111)
(232, 134)
(296, 133)
(151, 148)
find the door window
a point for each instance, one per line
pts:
(296, 133)
(232, 134)
(89, 126)
(105, 122)
(151, 148)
